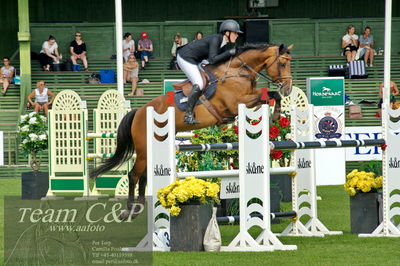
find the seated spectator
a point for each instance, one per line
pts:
(128, 46)
(41, 94)
(7, 73)
(393, 92)
(350, 44)
(77, 48)
(49, 53)
(366, 46)
(198, 35)
(131, 73)
(145, 47)
(178, 42)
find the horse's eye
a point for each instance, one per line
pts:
(283, 64)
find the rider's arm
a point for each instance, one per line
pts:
(213, 56)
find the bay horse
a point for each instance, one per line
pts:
(236, 84)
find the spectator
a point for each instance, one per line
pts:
(7, 73)
(128, 46)
(198, 35)
(131, 73)
(41, 94)
(350, 44)
(393, 92)
(77, 49)
(366, 46)
(178, 42)
(49, 53)
(145, 46)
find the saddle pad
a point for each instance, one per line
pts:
(208, 92)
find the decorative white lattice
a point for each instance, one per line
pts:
(122, 187)
(67, 100)
(296, 98)
(106, 119)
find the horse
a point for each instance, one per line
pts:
(236, 84)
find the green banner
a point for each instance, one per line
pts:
(325, 91)
(168, 84)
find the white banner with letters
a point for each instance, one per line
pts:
(364, 153)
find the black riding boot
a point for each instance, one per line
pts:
(192, 100)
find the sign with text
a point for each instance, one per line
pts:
(326, 91)
(229, 188)
(70, 232)
(168, 84)
(373, 153)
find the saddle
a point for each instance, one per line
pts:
(186, 85)
(182, 91)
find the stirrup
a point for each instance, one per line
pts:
(189, 119)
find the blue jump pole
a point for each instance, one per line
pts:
(286, 145)
(274, 215)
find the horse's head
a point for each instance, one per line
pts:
(277, 66)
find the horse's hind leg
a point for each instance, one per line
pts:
(134, 176)
(142, 187)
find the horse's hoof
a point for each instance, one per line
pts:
(129, 214)
(124, 215)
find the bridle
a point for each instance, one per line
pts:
(258, 75)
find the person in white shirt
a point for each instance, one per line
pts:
(350, 44)
(178, 42)
(7, 73)
(49, 53)
(41, 95)
(128, 46)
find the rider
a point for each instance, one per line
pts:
(213, 49)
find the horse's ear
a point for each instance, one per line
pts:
(281, 48)
(290, 47)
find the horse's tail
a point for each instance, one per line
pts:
(125, 146)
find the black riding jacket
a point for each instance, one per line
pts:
(208, 48)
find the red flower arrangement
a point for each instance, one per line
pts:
(280, 131)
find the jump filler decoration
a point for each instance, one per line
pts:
(329, 124)
(327, 96)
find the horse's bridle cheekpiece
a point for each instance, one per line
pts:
(258, 75)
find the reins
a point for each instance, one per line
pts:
(257, 74)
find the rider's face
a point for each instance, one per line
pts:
(233, 36)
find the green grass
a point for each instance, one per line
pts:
(333, 211)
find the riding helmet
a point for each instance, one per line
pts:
(229, 25)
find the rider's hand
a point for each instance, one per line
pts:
(232, 51)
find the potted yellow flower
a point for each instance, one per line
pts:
(363, 186)
(189, 202)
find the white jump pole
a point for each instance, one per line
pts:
(118, 41)
(390, 171)
(232, 173)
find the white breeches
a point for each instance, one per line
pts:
(192, 71)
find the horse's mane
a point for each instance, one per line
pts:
(253, 46)
(258, 46)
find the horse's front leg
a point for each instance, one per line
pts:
(251, 100)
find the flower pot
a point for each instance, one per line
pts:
(188, 228)
(284, 182)
(364, 212)
(34, 185)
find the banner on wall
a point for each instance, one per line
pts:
(364, 153)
